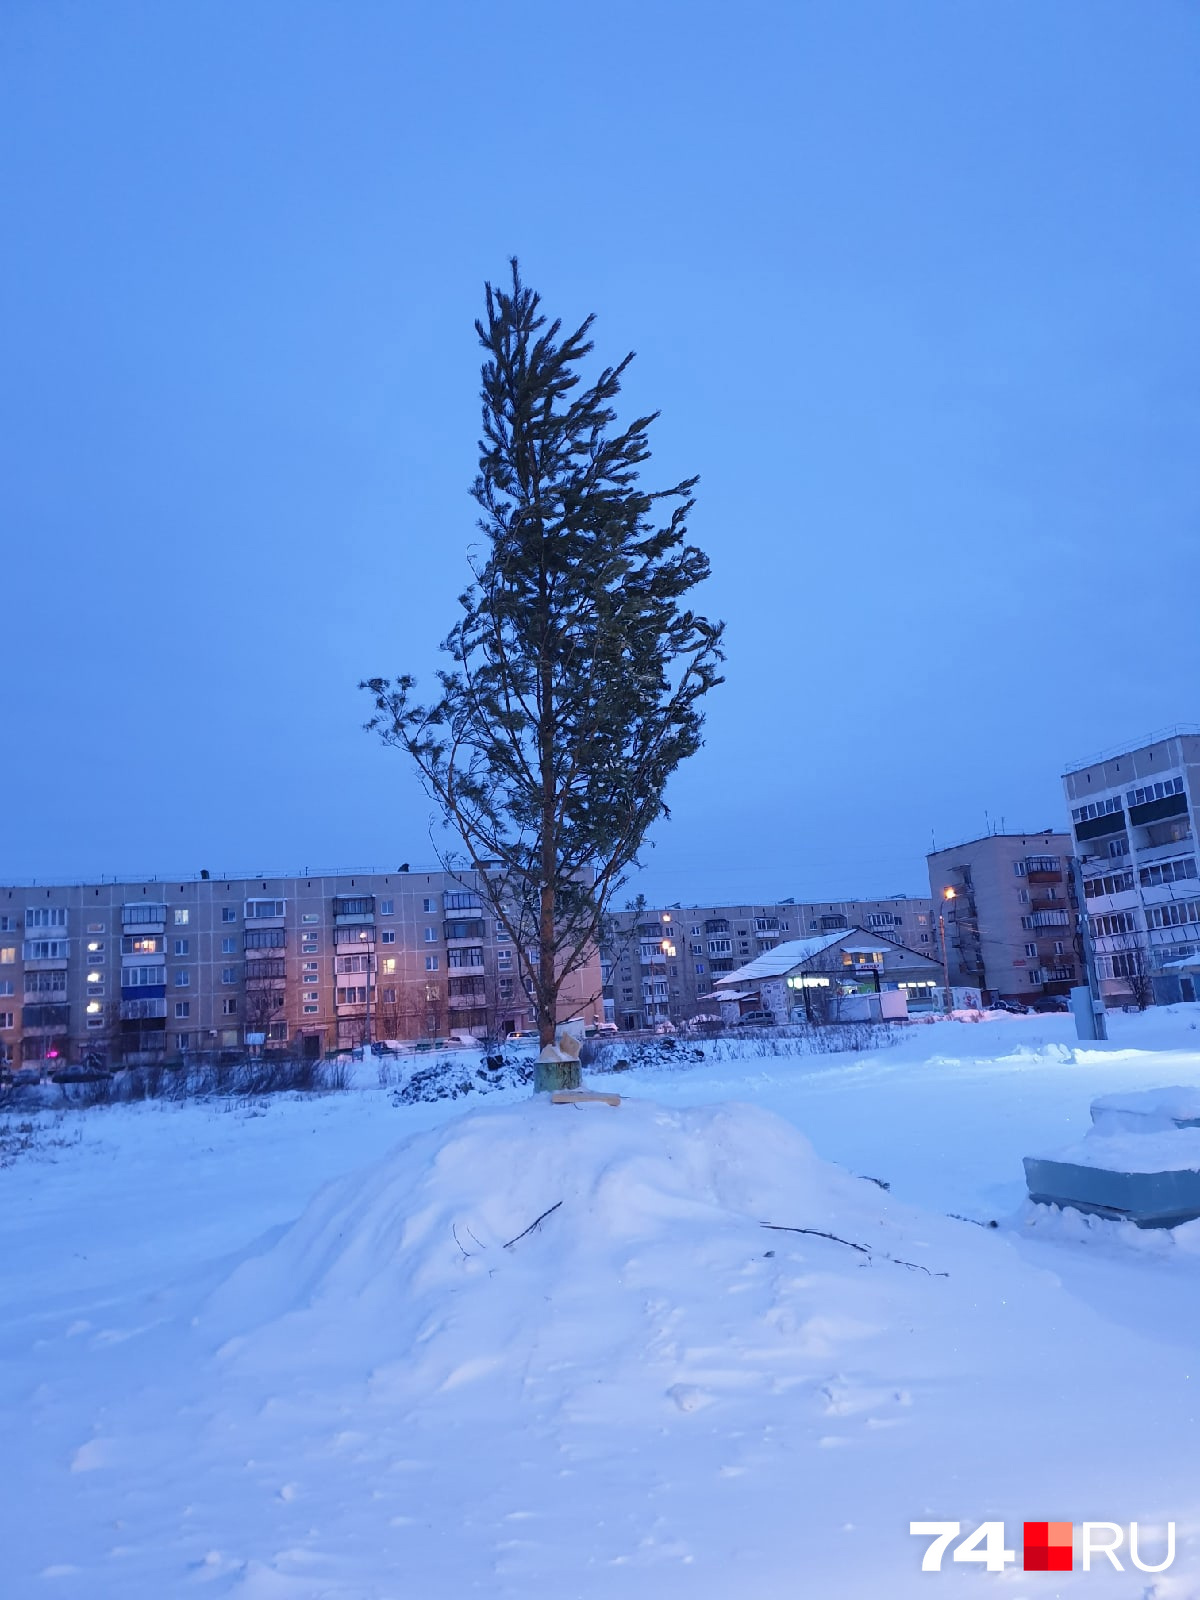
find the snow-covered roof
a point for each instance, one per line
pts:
(729, 994)
(784, 958)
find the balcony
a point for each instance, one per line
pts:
(1160, 852)
(145, 915)
(56, 1017)
(266, 968)
(136, 1010)
(1047, 919)
(1043, 869)
(467, 932)
(360, 936)
(349, 909)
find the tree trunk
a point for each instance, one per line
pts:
(549, 1075)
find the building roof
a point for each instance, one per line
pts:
(785, 958)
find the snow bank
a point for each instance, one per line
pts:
(422, 1263)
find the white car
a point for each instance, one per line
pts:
(595, 1028)
(522, 1036)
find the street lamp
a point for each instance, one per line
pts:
(948, 1001)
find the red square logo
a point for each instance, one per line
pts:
(1048, 1547)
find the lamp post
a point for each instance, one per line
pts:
(947, 1000)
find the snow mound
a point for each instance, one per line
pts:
(430, 1271)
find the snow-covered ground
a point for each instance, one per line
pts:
(220, 1376)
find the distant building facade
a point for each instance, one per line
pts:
(1011, 924)
(659, 964)
(1133, 817)
(151, 970)
(802, 980)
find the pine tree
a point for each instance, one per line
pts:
(578, 671)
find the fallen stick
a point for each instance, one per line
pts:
(534, 1223)
(819, 1233)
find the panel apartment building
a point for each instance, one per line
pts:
(660, 964)
(1011, 924)
(150, 970)
(1133, 816)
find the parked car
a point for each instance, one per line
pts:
(756, 1019)
(1014, 1006)
(522, 1036)
(1050, 1002)
(597, 1028)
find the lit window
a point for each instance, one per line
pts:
(95, 946)
(8, 954)
(94, 1008)
(389, 964)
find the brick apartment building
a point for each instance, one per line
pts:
(1011, 925)
(149, 970)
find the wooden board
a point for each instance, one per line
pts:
(575, 1097)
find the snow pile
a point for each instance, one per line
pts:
(1146, 1110)
(431, 1268)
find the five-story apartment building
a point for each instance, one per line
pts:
(150, 970)
(1133, 817)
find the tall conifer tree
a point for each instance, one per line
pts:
(578, 670)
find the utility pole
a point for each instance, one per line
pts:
(947, 997)
(1091, 1019)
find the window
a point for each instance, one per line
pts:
(1023, 896)
(1176, 914)
(1096, 808)
(699, 969)
(1117, 922)
(183, 1041)
(181, 947)
(229, 1006)
(427, 905)
(1166, 872)
(389, 997)
(310, 970)
(1059, 947)
(95, 986)
(388, 936)
(387, 908)
(183, 980)
(502, 935)
(46, 982)
(229, 974)
(1112, 883)
(146, 944)
(924, 938)
(353, 995)
(311, 1011)
(431, 963)
(389, 964)
(1019, 868)
(46, 917)
(265, 938)
(6, 986)
(228, 947)
(468, 956)
(309, 947)
(310, 916)
(504, 960)
(345, 964)
(8, 924)
(430, 935)
(228, 914)
(461, 902)
(506, 989)
(257, 909)
(311, 994)
(94, 949)
(143, 978)
(277, 1030)
(183, 1008)
(695, 928)
(182, 916)
(1031, 950)
(1155, 791)
(354, 905)
(42, 950)
(6, 1019)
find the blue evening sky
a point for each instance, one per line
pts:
(914, 285)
